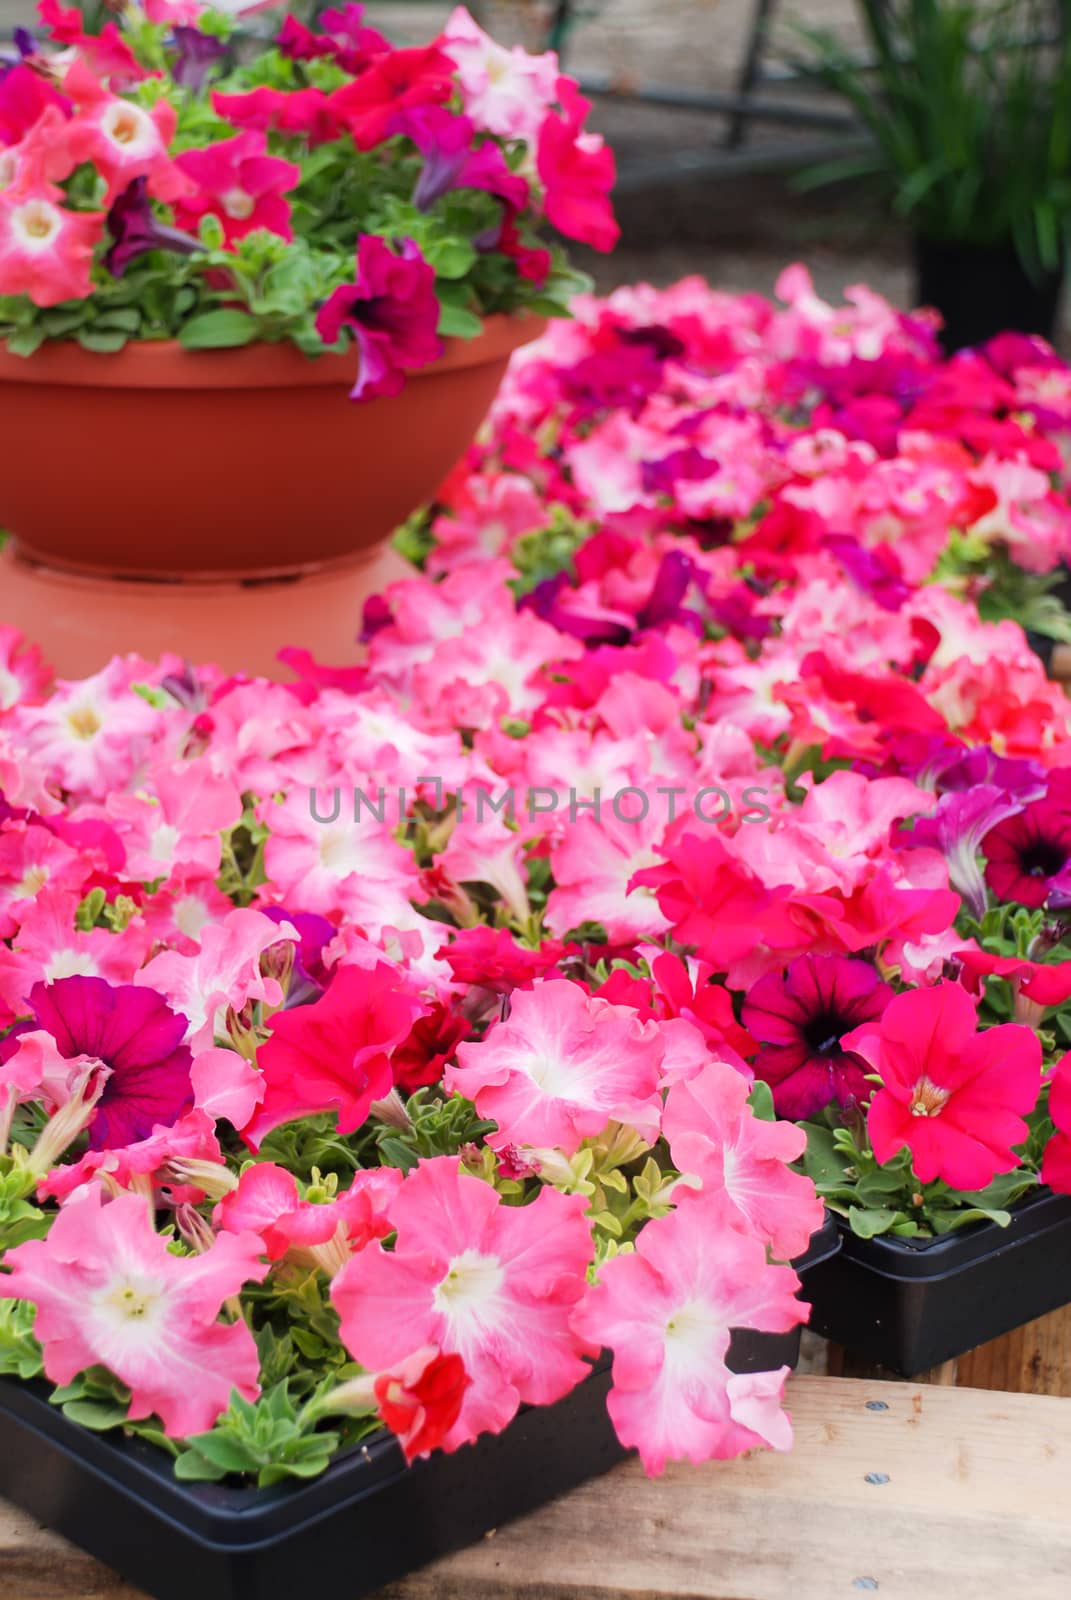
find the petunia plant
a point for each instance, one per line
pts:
(381, 1046)
(165, 177)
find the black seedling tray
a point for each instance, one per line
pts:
(764, 1352)
(910, 1305)
(366, 1521)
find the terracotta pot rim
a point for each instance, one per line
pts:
(166, 364)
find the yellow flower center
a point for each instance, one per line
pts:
(927, 1099)
(36, 223)
(130, 1302)
(84, 723)
(237, 204)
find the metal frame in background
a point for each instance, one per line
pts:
(742, 107)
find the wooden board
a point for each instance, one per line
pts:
(905, 1491)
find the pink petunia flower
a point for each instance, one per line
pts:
(392, 312)
(92, 733)
(492, 1283)
(47, 946)
(34, 859)
(267, 1201)
(108, 1291)
(46, 250)
(226, 971)
(24, 673)
(179, 827)
(149, 1163)
(956, 1098)
(123, 140)
(237, 181)
(667, 1311)
(561, 1067)
(506, 91)
(742, 1160)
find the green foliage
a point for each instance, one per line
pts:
(439, 1125)
(20, 1218)
(970, 119)
(1003, 588)
(20, 1353)
(268, 1440)
(877, 1199)
(546, 551)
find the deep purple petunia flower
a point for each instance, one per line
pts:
(135, 229)
(196, 54)
(133, 1033)
(800, 1017)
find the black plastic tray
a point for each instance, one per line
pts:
(368, 1520)
(910, 1305)
(763, 1352)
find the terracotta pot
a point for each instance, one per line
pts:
(160, 462)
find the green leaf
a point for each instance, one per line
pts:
(219, 330)
(103, 342)
(451, 258)
(866, 1224)
(126, 319)
(24, 341)
(192, 1467)
(761, 1101)
(457, 323)
(20, 1353)
(98, 1415)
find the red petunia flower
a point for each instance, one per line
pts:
(334, 1055)
(421, 1399)
(953, 1096)
(1056, 1166)
(393, 83)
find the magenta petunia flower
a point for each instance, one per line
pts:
(392, 311)
(800, 1017)
(1029, 855)
(241, 184)
(136, 1036)
(453, 161)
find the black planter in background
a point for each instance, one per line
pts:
(983, 290)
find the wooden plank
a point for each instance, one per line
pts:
(903, 1490)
